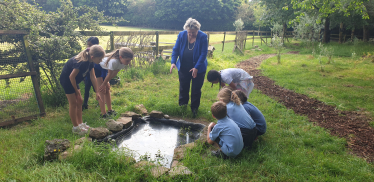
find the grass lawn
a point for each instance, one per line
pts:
(293, 149)
(345, 83)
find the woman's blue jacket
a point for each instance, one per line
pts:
(199, 54)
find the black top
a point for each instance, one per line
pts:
(84, 68)
(187, 59)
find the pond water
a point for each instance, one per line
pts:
(156, 141)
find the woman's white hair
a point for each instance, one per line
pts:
(192, 24)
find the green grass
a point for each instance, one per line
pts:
(344, 83)
(293, 149)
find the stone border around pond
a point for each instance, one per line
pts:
(61, 148)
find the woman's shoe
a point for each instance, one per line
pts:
(112, 112)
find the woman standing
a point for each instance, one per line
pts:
(189, 57)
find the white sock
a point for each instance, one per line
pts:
(75, 127)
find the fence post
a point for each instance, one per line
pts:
(33, 77)
(208, 38)
(111, 40)
(253, 38)
(236, 38)
(157, 42)
(266, 37)
(245, 40)
(260, 37)
(223, 42)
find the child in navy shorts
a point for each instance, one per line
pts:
(225, 134)
(254, 112)
(74, 71)
(87, 81)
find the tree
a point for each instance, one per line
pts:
(52, 36)
(245, 13)
(277, 11)
(326, 7)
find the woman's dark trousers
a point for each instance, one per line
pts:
(184, 88)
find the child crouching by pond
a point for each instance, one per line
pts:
(237, 113)
(225, 134)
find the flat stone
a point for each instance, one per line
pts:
(178, 171)
(54, 147)
(70, 152)
(142, 164)
(126, 121)
(140, 109)
(131, 114)
(166, 116)
(179, 151)
(188, 145)
(176, 163)
(99, 133)
(158, 171)
(156, 114)
(114, 126)
(83, 140)
(256, 46)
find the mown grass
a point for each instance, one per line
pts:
(293, 149)
(345, 83)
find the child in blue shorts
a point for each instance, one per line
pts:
(225, 134)
(237, 113)
(254, 112)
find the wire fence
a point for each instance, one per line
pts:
(18, 98)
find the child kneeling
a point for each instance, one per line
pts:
(225, 134)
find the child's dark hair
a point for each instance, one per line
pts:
(93, 40)
(213, 75)
(219, 110)
(243, 98)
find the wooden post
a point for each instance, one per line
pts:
(245, 40)
(33, 77)
(266, 37)
(253, 38)
(208, 38)
(260, 37)
(236, 38)
(111, 41)
(157, 43)
(223, 42)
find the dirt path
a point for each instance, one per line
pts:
(348, 124)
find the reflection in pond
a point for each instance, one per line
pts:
(155, 141)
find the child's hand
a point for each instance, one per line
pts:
(211, 125)
(98, 98)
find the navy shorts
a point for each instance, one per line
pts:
(100, 72)
(68, 87)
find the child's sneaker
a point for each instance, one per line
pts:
(112, 112)
(85, 126)
(104, 116)
(79, 131)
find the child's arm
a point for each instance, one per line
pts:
(72, 76)
(94, 83)
(211, 125)
(111, 74)
(232, 85)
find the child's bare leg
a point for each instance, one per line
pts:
(79, 110)
(102, 95)
(108, 99)
(73, 108)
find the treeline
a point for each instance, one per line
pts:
(345, 17)
(166, 14)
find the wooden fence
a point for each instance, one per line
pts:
(161, 49)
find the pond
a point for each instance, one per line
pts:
(155, 139)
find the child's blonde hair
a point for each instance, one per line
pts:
(95, 51)
(124, 52)
(227, 95)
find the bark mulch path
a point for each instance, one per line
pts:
(348, 124)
